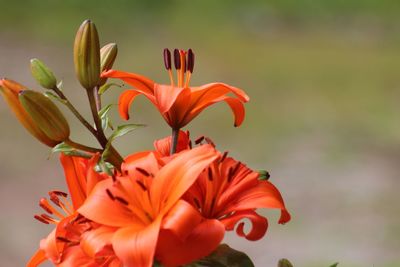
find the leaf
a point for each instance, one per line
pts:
(69, 151)
(104, 111)
(107, 86)
(263, 175)
(103, 166)
(53, 96)
(105, 120)
(335, 264)
(120, 131)
(224, 256)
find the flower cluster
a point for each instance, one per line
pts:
(170, 205)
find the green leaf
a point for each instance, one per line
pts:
(69, 151)
(103, 166)
(263, 175)
(107, 86)
(120, 131)
(335, 264)
(284, 263)
(53, 96)
(104, 111)
(105, 120)
(224, 256)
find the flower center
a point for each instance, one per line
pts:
(55, 215)
(184, 65)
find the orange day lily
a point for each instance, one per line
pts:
(138, 202)
(229, 191)
(64, 246)
(178, 103)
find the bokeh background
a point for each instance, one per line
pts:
(324, 82)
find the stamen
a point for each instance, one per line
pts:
(121, 200)
(197, 202)
(45, 207)
(199, 140)
(210, 174)
(142, 185)
(59, 193)
(40, 219)
(143, 171)
(167, 59)
(177, 60)
(190, 61)
(223, 156)
(54, 199)
(181, 76)
(48, 218)
(110, 195)
(209, 141)
(190, 144)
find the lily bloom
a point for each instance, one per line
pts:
(177, 102)
(64, 245)
(145, 195)
(229, 191)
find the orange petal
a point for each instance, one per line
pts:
(75, 177)
(172, 181)
(125, 101)
(166, 95)
(204, 239)
(92, 176)
(222, 87)
(97, 241)
(259, 224)
(143, 84)
(237, 109)
(74, 256)
(264, 195)
(37, 258)
(163, 146)
(136, 246)
(181, 219)
(99, 207)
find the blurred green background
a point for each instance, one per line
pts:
(323, 77)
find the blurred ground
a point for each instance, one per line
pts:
(324, 82)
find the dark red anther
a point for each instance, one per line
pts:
(63, 239)
(40, 219)
(199, 140)
(177, 59)
(167, 59)
(109, 194)
(197, 203)
(54, 198)
(223, 156)
(209, 141)
(233, 170)
(210, 174)
(142, 185)
(58, 193)
(190, 144)
(190, 61)
(43, 205)
(46, 217)
(121, 200)
(143, 171)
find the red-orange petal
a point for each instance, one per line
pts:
(142, 83)
(172, 181)
(237, 109)
(136, 246)
(125, 101)
(204, 239)
(97, 241)
(163, 146)
(259, 224)
(166, 95)
(38, 258)
(75, 177)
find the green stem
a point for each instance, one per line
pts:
(82, 147)
(75, 111)
(174, 139)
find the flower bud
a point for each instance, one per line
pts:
(10, 90)
(108, 53)
(284, 263)
(87, 55)
(43, 75)
(45, 115)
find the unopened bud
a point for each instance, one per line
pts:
(43, 75)
(45, 115)
(10, 90)
(284, 263)
(108, 54)
(87, 55)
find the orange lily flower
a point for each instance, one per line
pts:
(143, 196)
(179, 103)
(229, 191)
(10, 90)
(66, 245)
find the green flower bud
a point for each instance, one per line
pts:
(45, 114)
(108, 53)
(284, 263)
(87, 55)
(43, 75)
